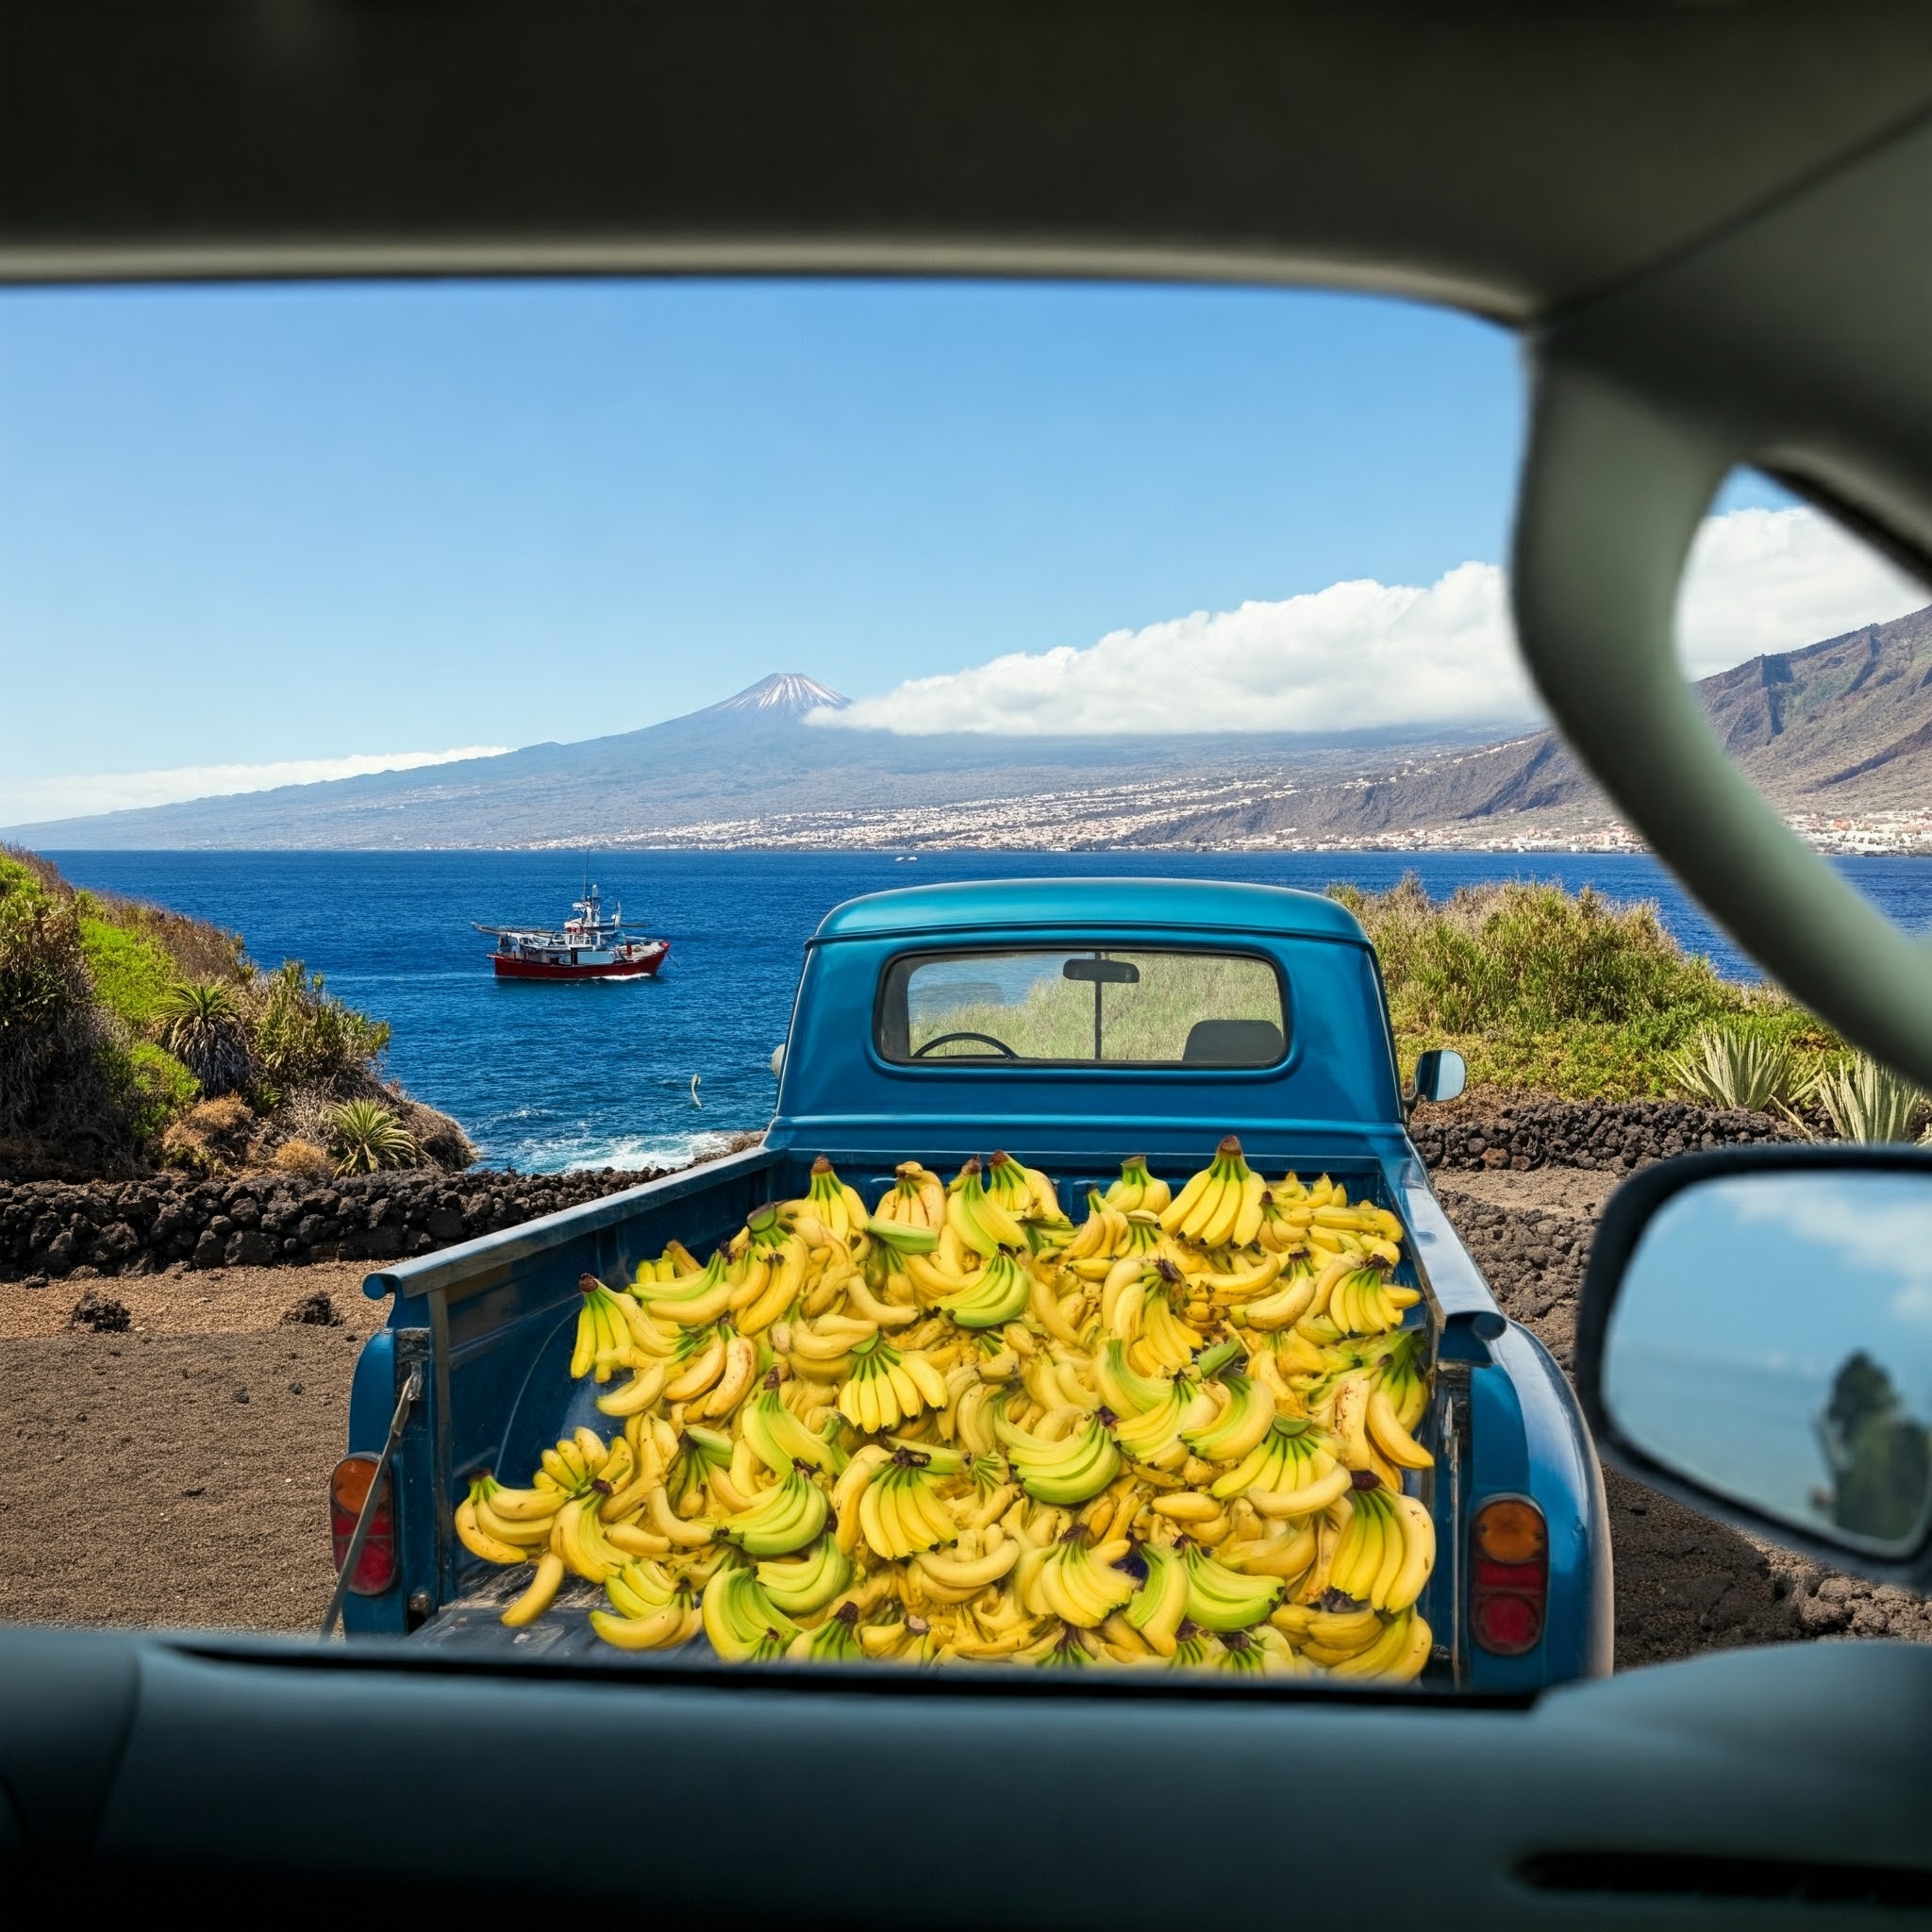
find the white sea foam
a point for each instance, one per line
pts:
(628, 1153)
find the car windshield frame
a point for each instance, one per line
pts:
(896, 971)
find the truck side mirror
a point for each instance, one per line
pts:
(778, 1059)
(1756, 1339)
(1440, 1075)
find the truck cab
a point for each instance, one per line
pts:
(1072, 1024)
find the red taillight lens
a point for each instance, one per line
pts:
(376, 1568)
(1510, 1576)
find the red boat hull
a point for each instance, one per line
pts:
(509, 967)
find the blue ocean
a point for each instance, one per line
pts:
(593, 1074)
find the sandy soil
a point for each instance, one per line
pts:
(1567, 1190)
(186, 1301)
(203, 1439)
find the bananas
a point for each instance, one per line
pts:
(887, 1387)
(785, 1518)
(1069, 1469)
(1220, 1207)
(998, 1295)
(1137, 1189)
(959, 1427)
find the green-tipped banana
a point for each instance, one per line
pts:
(1124, 1387)
(978, 1220)
(742, 1623)
(832, 1642)
(902, 1238)
(1241, 1426)
(779, 1440)
(786, 1517)
(1161, 1602)
(693, 1302)
(1224, 1599)
(998, 1296)
(806, 1583)
(1074, 1469)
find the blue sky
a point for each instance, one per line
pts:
(259, 526)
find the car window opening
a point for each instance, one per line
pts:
(1047, 1006)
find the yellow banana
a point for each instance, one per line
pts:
(1395, 1442)
(479, 1542)
(1419, 1554)
(540, 1595)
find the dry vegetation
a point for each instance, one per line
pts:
(132, 1035)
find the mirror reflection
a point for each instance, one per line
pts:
(1773, 1342)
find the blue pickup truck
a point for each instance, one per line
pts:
(1073, 1022)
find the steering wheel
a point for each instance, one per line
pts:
(944, 1039)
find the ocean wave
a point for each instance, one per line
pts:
(628, 1153)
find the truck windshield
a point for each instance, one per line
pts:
(1047, 1005)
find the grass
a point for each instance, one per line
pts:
(1575, 996)
(131, 974)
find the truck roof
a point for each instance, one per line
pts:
(1056, 903)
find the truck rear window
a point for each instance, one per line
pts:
(1054, 1007)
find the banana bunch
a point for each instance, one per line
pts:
(1137, 1190)
(917, 1199)
(957, 1428)
(1222, 1206)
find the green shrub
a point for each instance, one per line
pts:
(1726, 1066)
(200, 1022)
(131, 974)
(305, 1037)
(1865, 1101)
(161, 1089)
(365, 1136)
(52, 1042)
(1575, 996)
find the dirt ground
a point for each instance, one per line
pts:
(174, 1473)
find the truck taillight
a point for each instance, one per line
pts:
(348, 1489)
(1510, 1576)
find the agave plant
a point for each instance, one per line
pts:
(1865, 1101)
(1727, 1066)
(201, 1024)
(364, 1136)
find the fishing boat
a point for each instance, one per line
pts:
(589, 946)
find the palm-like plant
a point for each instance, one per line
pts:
(1865, 1101)
(364, 1136)
(1727, 1066)
(201, 1024)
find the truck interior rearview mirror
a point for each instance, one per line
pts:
(1759, 1333)
(1101, 972)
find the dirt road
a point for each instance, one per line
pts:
(175, 1473)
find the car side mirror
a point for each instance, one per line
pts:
(1441, 1074)
(1756, 1339)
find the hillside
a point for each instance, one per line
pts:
(1839, 730)
(130, 1034)
(749, 761)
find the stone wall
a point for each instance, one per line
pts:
(1609, 1136)
(55, 1228)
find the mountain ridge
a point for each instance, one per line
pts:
(1837, 728)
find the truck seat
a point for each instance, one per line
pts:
(1233, 1043)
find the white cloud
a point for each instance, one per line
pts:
(1366, 653)
(1354, 654)
(30, 801)
(1773, 580)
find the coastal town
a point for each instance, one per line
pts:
(1169, 816)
